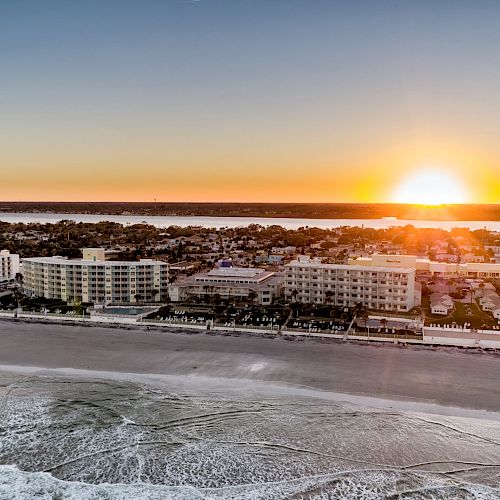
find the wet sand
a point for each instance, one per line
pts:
(447, 378)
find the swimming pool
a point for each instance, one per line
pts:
(125, 311)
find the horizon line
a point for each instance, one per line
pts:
(256, 203)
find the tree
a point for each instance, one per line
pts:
(206, 288)
(451, 283)
(77, 306)
(363, 316)
(138, 297)
(252, 296)
(294, 294)
(17, 297)
(358, 307)
(360, 313)
(154, 293)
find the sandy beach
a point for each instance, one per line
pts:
(92, 412)
(447, 378)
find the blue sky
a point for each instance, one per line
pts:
(221, 99)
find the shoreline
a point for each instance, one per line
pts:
(263, 216)
(417, 376)
(468, 212)
(230, 220)
(228, 386)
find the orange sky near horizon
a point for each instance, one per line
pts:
(212, 176)
(283, 101)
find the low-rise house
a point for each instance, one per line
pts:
(284, 250)
(496, 313)
(488, 297)
(491, 303)
(441, 303)
(471, 257)
(183, 267)
(276, 260)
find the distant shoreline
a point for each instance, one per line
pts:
(227, 222)
(264, 210)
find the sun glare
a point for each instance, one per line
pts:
(429, 186)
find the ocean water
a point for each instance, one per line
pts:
(66, 437)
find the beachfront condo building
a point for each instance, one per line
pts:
(9, 265)
(385, 288)
(233, 284)
(95, 280)
(446, 269)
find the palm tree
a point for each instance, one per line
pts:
(294, 294)
(360, 312)
(383, 323)
(216, 299)
(17, 297)
(252, 295)
(363, 316)
(138, 297)
(328, 296)
(77, 306)
(451, 282)
(206, 288)
(358, 309)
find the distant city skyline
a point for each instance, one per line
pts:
(261, 101)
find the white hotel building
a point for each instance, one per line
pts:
(447, 269)
(230, 283)
(390, 289)
(9, 265)
(93, 279)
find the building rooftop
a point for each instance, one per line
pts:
(202, 279)
(66, 261)
(234, 274)
(347, 267)
(237, 272)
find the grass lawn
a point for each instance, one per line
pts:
(462, 313)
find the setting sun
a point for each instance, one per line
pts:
(430, 186)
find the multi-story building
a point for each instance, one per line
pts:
(449, 269)
(9, 265)
(230, 283)
(386, 288)
(95, 280)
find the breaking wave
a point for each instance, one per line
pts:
(97, 439)
(366, 484)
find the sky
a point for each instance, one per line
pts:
(256, 100)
